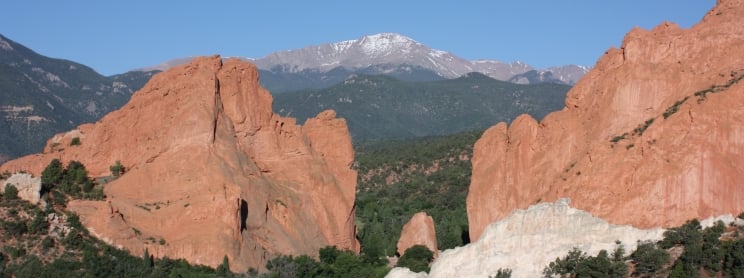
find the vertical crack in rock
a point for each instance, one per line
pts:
(266, 213)
(217, 107)
(243, 215)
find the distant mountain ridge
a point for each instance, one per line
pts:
(390, 54)
(41, 96)
(396, 49)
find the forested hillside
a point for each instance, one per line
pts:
(400, 178)
(377, 107)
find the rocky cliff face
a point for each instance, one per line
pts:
(418, 231)
(212, 171)
(651, 136)
(28, 186)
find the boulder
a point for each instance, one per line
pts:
(418, 231)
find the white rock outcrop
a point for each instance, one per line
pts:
(404, 272)
(29, 187)
(527, 240)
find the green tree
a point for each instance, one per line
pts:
(685, 234)
(328, 254)
(565, 266)
(117, 169)
(601, 266)
(416, 258)
(733, 260)
(648, 258)
(223, 270)
(52, 175)
(147, 259)
(350, 265)
(76, 172)
(39, 224)
(713, 252)
(10, 193)
(75, 141)
(372, 243)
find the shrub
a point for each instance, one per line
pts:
(577, 264)
(328, 254)
(47, 243)
(75, 141)
(648, 258)
(503, 273)
(223, 270)
(416, 258)
(15, 228)
(11, 192)
(117, 169)
(642, 127)
(674, 108)
(52, 175)
(618, 138)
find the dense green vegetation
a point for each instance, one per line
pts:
(333, 263)
(279, 79)
(400, 178)
(417, 258)
(58, 181)
(578, 264)
(716, 251)
(378, 107)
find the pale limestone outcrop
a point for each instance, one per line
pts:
(404, 272)
(418, 231)
(213, 172)
(644, 139)
(29, 187)
(527, 240)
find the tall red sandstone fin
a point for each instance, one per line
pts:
(213, 172)
(653, 127)
(418, 231)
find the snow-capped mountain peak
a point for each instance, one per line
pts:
(392, 52)
(385, 43)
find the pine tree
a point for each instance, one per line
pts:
(223, 270)
(147, 259)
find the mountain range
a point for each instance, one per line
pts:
(41, 96)
(391, 54)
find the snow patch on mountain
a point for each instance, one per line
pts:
(385, 44)
(392, 50)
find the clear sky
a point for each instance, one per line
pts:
(116, 36)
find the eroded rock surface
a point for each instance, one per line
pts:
(418, 231)
(212, 171)
(651, 136)
(29, 187)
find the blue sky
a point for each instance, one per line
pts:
(117, 36)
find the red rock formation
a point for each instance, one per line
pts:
(661, 173)
(213, 171)
(418, 231)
